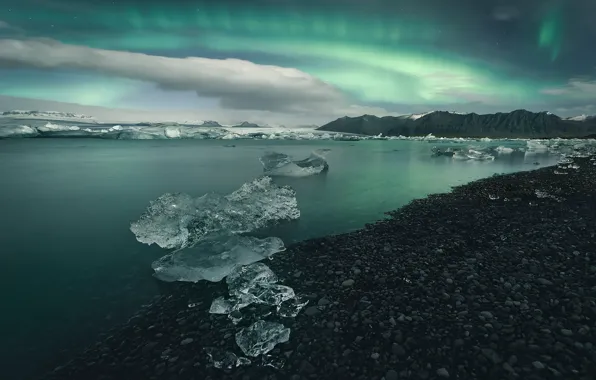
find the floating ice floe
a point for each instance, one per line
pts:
(279, 164)
(472, 154)
(176, 220)
(503, 150)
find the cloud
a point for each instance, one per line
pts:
(575, 87)
(4, 25)
(238, 84)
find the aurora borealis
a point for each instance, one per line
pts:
(291, 59)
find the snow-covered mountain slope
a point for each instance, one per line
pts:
(48, 115)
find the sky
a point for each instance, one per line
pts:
(297, 61)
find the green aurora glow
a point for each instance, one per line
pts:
(376, 58)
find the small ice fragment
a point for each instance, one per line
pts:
(193, 304)
(273, 362)
(221, 306)
(503, 150)
(543, 194)
(225, 359)
(273, 294)
(493, 197)
(291, 307)
(261, 337)
(242, 279)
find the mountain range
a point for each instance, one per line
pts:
(47, 115)
(515, 124)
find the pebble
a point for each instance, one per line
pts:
(391, 375)
(398, 349)
(312, 310)
(347, 283)
(442, 372)
(538, 365)
(544, 281)
(323, 302)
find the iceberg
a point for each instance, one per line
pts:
(213, 258)
(279, 164)
(473, 154)
(261, 337)
(536, 146)
(503, 150)
(18, 131)
(448, 152)
(179, 220)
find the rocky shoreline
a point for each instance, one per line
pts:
(494, 280)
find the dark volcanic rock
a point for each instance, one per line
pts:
(454, 286)
(516, 124)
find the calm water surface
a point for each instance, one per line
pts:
(70, 266)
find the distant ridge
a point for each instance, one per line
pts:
(515, 124)
(246, 124)
(47, 115)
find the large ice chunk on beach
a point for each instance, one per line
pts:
(179, 220)
(256, 284)
(214, 258)
(279, 164)
(261, 337)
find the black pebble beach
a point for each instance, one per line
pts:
(452, 286)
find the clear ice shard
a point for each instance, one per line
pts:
(221, 306)
(273, 362)
(179, 220)
(225, 359)
(242, 279)
(291, 307)
(261, 337)
(166, 221)
(251, 284)
(214, 258)
(279, 164)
